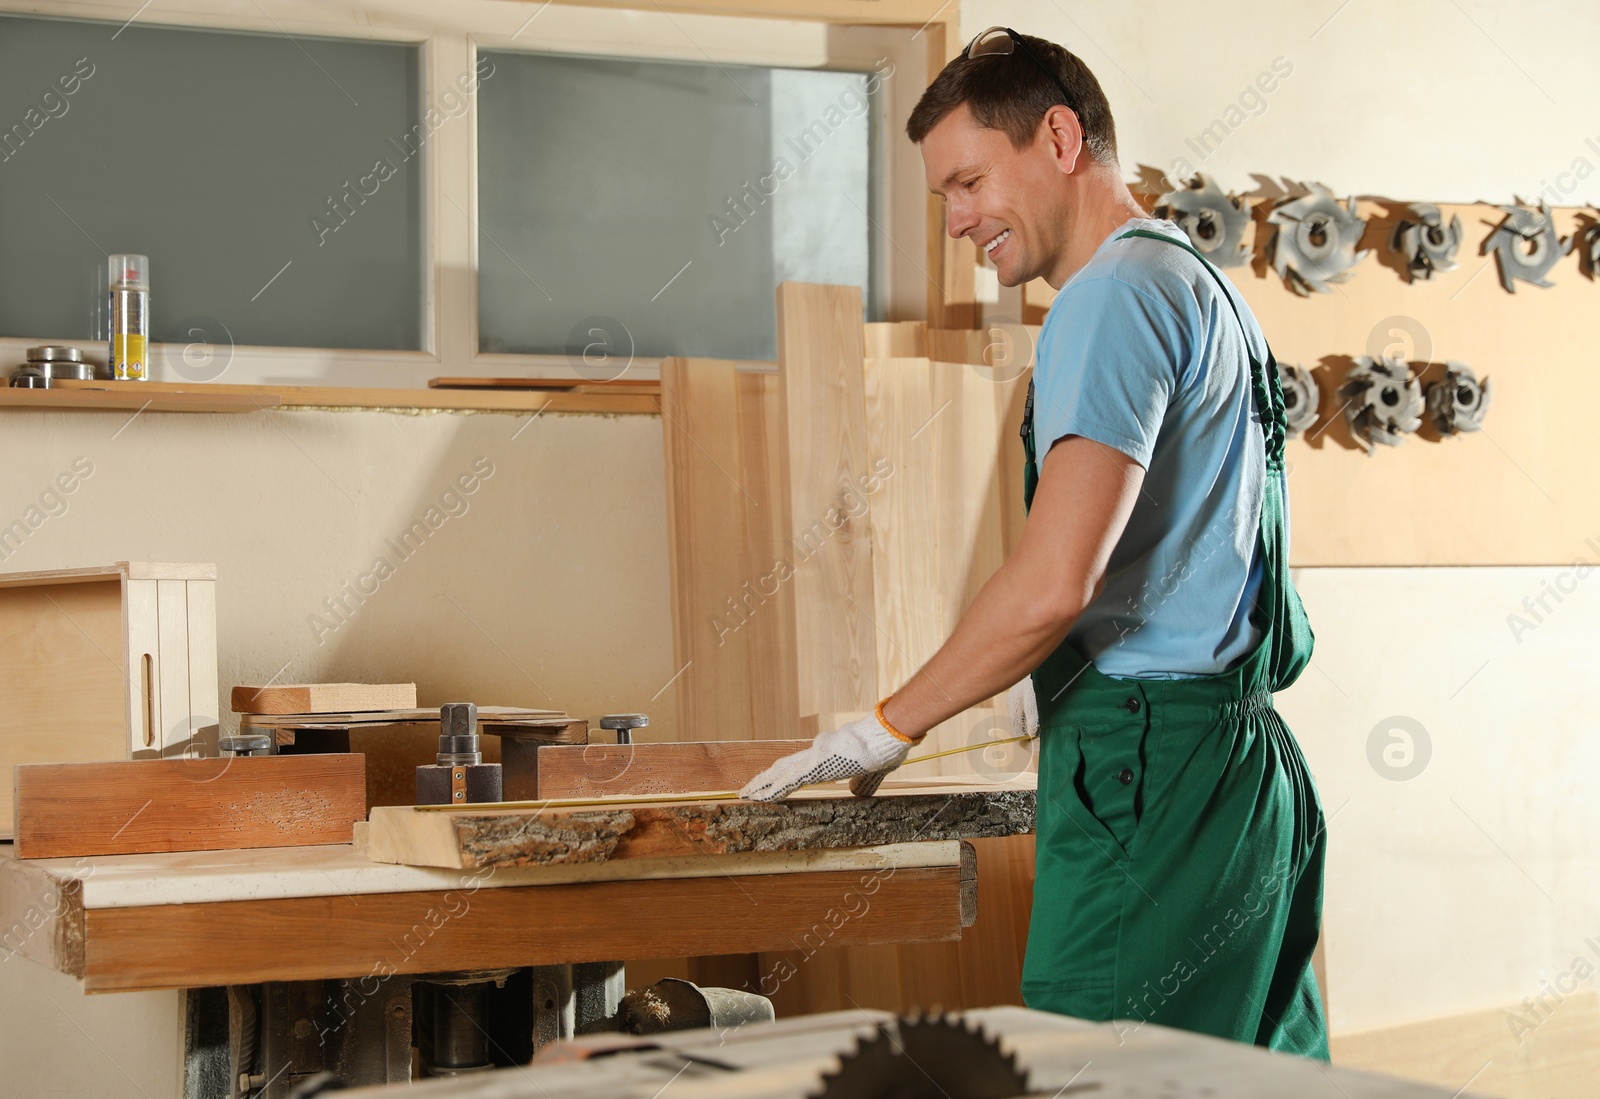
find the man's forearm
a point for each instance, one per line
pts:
(1005, 634)
(1086, 492)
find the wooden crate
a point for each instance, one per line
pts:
(111, 662)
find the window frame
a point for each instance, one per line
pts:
(909, 278)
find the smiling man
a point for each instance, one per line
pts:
(1180, 838)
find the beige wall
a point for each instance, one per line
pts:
(548, 587)
(1468, 884)
(1464, 102)
(56, 1041)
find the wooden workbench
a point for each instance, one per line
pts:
(126, 922)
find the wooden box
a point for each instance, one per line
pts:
(113, 662)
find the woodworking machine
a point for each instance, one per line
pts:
(993, 1053)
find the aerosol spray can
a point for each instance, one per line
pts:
(129, 356)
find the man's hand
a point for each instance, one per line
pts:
(863, 751)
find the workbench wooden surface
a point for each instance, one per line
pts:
(904, 810)
(276, 873)
(242, 917)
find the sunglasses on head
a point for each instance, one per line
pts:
(1000, 41)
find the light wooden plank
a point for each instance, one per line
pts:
(476, 837)
(903, 425)
(764, 460)
(142, 671)
(487, 715)
(60, 669)
(204, 701)
(172, 624)
(820, 360)
(647, 386)
(64, 810)
(169, 570)
(324, 698)
(913, 13)
(714, 594)
(41, 916)
(221, 397)
(895, 340)
(970, 543)
(187, 399)
(170, 946)
(631, 770)
(61, 576)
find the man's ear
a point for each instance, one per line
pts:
(1065, 137)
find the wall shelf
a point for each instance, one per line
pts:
(214, 397)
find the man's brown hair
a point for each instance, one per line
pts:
(1009, 92)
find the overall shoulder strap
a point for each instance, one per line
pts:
(1266, 388)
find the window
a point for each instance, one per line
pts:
(650, 208)
(274, 182)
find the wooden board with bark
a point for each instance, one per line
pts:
(599, 830)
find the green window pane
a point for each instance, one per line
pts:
(274, 182)
(651, 208)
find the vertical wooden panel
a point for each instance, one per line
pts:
(711, 584)
(61, 659)
(905, 517)
(143, 698)
(172, 625)
(764, 457)
(820, 356)
(204, 700)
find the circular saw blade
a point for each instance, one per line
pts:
(1214, 222)
(1316, 240)
(933, 1057)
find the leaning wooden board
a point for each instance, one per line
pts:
(64, 810)
(323, 698)
(471, 838)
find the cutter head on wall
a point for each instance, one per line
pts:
(1383, 401)
(1458, 401)
(1526, 246)
(1591, 250)
(1426, 242)
(1301, 398)
(1215, 222)
(1316, 240)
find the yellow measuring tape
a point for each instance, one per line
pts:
(666, 799)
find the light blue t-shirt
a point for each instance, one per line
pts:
(1141, 351)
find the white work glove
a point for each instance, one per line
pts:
(863, 751)
(1024, 707)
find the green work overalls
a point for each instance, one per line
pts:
(1180, 838)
